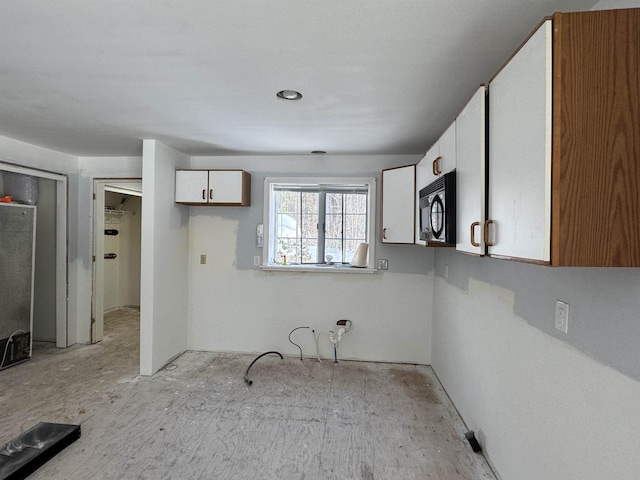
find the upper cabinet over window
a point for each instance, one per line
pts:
(564, 144)
(213, 187)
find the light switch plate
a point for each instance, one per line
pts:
(383, 264)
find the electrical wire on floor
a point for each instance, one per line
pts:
(299, 347)
(246, 374)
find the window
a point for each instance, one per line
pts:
(317, 222)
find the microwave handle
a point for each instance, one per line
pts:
(486, 233)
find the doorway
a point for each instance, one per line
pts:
(51, 273)
(117, 249)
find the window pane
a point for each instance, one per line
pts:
(356, 203)
(333, 248)
(296, 226)
(334, 203)
(333, 226)
(310, 251)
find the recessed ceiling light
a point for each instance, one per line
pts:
(289, 95)
(318, 152)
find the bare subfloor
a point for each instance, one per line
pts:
(197, 419)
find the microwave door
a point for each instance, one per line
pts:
(436, 217)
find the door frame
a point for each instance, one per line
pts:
(62, 246)
(129, 186)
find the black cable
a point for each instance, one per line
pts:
(297, 328)
(246, 374)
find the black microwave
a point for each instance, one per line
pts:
(438, 210)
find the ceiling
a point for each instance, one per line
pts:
(95, 77)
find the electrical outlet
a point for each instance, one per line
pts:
(256, 261)
(562, 316)
(203, 259)
(383, 264)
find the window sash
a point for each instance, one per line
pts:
(342, 245)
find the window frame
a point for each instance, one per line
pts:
(269, 222)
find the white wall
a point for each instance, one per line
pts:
(235, 307)
(543, 410)
(165, 238)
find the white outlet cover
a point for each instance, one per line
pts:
(562, 316)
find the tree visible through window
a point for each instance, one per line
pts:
(317, 223)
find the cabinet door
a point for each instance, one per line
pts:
(470, 175)
(447, 147)
(424, 177)
(225, 187)
(398, 205)
(192, 186)
(520, 152)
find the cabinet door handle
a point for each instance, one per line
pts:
(486, 233)
(435, 166)
(204, 194)
(473, 234)
(211, 194)
(384, 233)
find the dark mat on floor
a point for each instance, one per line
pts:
(30, 450)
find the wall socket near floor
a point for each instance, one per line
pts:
(562, 316)
(383, 264)
(256, 261)
(203, 259)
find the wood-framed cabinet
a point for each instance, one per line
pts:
(564, 144)
(398, 205)
(471, 185)
(213, 187)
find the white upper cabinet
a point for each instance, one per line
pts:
(213, 187)
(441, 157)
(447, 151)
(398, 205)
(520, 152)
(470, 175)
(192, 186)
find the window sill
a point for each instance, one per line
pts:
(317, 269)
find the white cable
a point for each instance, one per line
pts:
(317, 347)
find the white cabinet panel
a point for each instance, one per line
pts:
(398, 205)
(447, 147)
(470, 175)
(520, 152)
(225, 186)
(192, 186)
